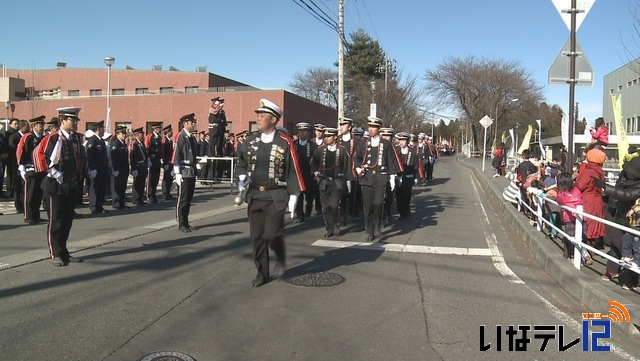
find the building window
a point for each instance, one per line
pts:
(629, 84)
(190, 89)
(142, 90)
(95, 92)
(73, 93)
(629, 125)
(253, 127)
(166, 90)
(635, 81)
(619, 87)
(124, 124)
(117, 91)
(229, 127)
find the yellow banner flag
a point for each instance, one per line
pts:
(623, 141)
(526, 140)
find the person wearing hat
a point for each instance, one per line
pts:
(217, 126)
(11, 167)
(184, 167)
(305, 150)
(421, 147)
(139, 163)
(18, 182)
(98, 162)
(32, 180)
(376, 164)
(153, 143)
(430, 156)
(319, 131)
(119, 165)
(167, 162)
(52, 125)
(349, 202)
(268, 171)
(592, 197)
(62, 158)
(332, 168)
(409, 160)
(389, 193)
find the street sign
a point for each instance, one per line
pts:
(559, 70)
(486, 122)
(563, 5)
(372, 110)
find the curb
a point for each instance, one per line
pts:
(581, 287)
(21, 259)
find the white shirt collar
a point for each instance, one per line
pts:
(375, 141)
(346, 137)
(303, 142)
(404, 150)
(319, 141)
(65, 133)
(267, 138)
(186, 131)
(332, 147)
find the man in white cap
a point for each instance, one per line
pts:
(349, 205)
(269, 173)
(98, 162)
(376, 163)
(184, 168)
(62, 157)
(305, 149)
(32, 179)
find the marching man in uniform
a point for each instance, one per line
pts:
(139, 162)
(268, 171)
(332, 169)
(167, 162)
(184, 166)
(32, 180)
(410, 162)
(376, 164)
(119, 163)
(305, 149)
(98, 162)
(153, 143)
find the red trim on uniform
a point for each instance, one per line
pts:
(296, 166)
(398, 159)
(175, 144)
(39, 156)
(147, 140)
(21, 147)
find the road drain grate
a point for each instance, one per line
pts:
(167, 356)
(318, 279)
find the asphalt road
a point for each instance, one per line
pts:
(423, 295)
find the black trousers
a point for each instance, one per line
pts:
(266, 229)
(118, 189)
(430, 166)
(61, 209)
(11, 169)
(185, 196)
(330, 199)
(403, 197)
(167, 179)
(18, 192)
(97, 190)
(137, 193)
(389, 195)
(301, 209)
(152, 182)
(33, 196)
(373, 199)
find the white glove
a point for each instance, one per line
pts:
(134, 173)
(116, 173)
(56, 174)
(316, 174)
(93, 174)
(178, 179)
(349, 186)
(358, 170)
(293, 199)
(415, 182)
(23, 175)
(198, 166)
(392, 180)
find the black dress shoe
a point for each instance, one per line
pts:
(190, 227)
(73, 259)
(299, 220)
(30, 221)
(184, 229)
(77, 215)
(328, 234)
(336, 230)
(154, 200)
(259, 281)
(369, 238)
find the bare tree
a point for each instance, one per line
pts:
(317, 84)
(479, 86)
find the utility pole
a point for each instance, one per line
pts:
(341, 62)
(572, 81)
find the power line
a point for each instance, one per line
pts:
(322, 11)
(369, 16)
(328, 22)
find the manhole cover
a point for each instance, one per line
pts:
(318, 279)
(167, 356)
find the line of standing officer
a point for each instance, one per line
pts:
(153, 143)
(184, 167)
(119, 163)
(305, 150)
(167, 162)
(139, 162)
(32, 180)
(410, 161)
(98, 163)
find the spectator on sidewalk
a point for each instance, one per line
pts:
(570, 196)
(592, 197)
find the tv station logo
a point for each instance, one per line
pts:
(595, 327)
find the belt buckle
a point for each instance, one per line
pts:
(262, 188)
(373, 172)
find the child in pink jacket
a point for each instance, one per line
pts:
(600, 135)
(569, 196)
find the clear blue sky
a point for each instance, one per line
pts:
(264, 42)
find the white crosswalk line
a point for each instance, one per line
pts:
(395, 247)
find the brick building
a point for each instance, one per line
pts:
(142, 97)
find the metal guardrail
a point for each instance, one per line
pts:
(577, 239)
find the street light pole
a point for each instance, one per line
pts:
(109, 61)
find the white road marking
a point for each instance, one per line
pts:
(395, 247)
(162, 224)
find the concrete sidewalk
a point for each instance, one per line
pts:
(584, 284)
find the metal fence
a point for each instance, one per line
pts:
(577, 239)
